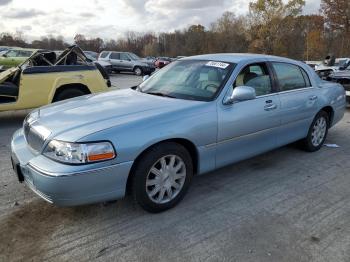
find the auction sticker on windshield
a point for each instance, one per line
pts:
(217, 64)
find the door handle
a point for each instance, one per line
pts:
(312, 98)
(270, 107)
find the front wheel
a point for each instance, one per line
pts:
(138, 71)
(317, 132)
(162, 177)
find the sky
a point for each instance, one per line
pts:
(110, 19)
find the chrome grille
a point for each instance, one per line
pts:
(34, 139)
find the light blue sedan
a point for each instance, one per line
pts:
(196, 115)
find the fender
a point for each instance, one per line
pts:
(75, 79)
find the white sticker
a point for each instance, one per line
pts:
(217, 64)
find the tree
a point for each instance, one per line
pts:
(229, 34)
(337, 16)
(7, 39)
(266, 23)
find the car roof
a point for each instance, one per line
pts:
(115, 52)
(237, 57)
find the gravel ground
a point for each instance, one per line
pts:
(285, 205)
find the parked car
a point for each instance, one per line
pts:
(105, 64)
(14, 57)
(313, 64)
(45, 78)
(194, 116)
(331, 65)
(127, 62)
(3, 50)
(342, 77)
(162, 61)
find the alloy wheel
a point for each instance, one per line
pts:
(165, 179)
(319, 131)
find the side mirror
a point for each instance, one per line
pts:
(145, 77)
(239, 94)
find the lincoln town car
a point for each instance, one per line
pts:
(194, 116)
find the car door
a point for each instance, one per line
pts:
(298, 101)
(126, 62)
(114, 59)
(249, 127)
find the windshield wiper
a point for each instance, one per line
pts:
(159, 94)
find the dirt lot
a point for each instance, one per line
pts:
(286, 205)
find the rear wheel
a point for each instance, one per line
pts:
(317, 132)
(68, 93)
(162, 177)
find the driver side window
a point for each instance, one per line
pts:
(256, 76)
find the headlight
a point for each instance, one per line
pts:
(76, 153)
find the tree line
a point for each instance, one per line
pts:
(270, 27)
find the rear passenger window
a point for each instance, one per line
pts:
(290, 76)
(114, 56)
(24, 54)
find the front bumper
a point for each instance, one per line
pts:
(65, 185)
(148, 70)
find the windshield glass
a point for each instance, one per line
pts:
(134, 57)
(189, 79)
(340, 63)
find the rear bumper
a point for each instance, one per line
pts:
(68, 188)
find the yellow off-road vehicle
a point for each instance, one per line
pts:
(45, 78)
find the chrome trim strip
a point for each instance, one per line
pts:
(237, 137)
(296, 90)
(76, 173)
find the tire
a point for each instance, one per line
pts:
(165, 189)
(311, 143)
(138, 71)
(68, 93)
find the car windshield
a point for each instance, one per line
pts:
(341, 62)
(134, 57)
(189, 79)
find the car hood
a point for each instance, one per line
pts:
(78, 117)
